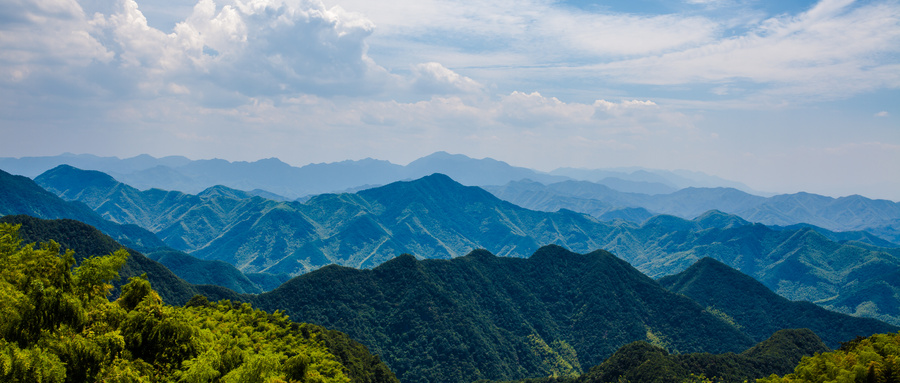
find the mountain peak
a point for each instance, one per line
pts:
(224, 191)
(75, 178)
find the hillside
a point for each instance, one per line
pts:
(739, 298)
(643, 362)
(491, 317)
(872, 359)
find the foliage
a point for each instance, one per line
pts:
(872, 359)
(59, 326)
(759, 312)
(641, 362)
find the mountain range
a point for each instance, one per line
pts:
(621, 193)
(276, 179)
(436, 217)
(483, 316)
(851, 213)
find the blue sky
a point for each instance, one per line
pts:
(784, 96)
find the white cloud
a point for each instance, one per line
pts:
(254, 48)
(45, 37)
(832, 51)
(882, 113)
(434, 78)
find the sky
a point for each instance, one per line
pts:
(784, 96)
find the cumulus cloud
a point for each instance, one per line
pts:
(254, 48)
(434, 78)
(41, 37)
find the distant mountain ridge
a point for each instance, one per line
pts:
(274, 176)
(599, 192)
(436, 217)
(851, 213)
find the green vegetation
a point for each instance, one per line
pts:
(59, 326)
(487, 317)
(759, 312)
(642, 362)
(863, 360)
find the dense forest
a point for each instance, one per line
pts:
(863, 360)
(641, 362)
(59, 326)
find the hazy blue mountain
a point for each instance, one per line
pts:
(854, 213)
(643, 187)
(274, 176)
(842, 236)
(675, 179)
(537, 196)
(470, 171)
(487, 317)
(33, 166)
(630, 214)
(839, 214)
(738, 297)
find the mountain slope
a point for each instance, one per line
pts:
(643, 362)
(21, 195)
(720, 288)
(491, 317)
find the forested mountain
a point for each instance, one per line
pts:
(852, 213)
(872, 359)
(482, 316)
(59, 326)
(435, 217)
(739, 298)
(645, 363)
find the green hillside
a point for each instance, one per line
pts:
(759, 312)
(872, 359)
(482, 316)
(641, 362)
